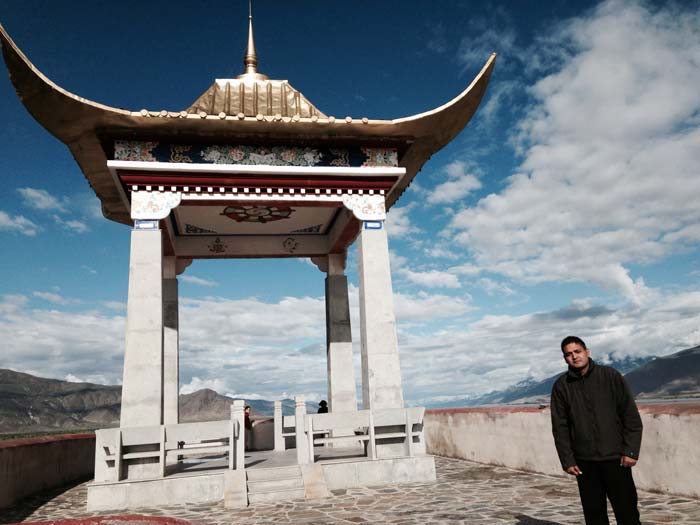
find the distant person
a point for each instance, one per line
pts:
(323, 407)
(248, 428)
(598, 432)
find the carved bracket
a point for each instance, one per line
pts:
(366, 207)
(153, 205)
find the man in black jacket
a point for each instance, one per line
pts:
(598, 432)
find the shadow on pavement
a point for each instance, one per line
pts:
(529, 520)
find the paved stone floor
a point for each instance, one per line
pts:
(465, 492)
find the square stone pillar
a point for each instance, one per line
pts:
(302, 442)
(171, 357)
(381, 371)
(142, 390)
(342, 396)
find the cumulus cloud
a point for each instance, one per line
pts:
(431, 278)
(610, 154)
(18, 223)
(41, 199)
(460, 183)
(72, 225)
(497, 351)
(398, 223)
(54, 298)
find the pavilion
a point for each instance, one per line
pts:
(251, 169)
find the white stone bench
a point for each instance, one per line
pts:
(183, 439)
(370, 427)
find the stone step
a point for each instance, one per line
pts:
(263, 474)
(275, 496)
(271, 485)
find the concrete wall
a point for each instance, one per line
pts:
(521, 438)
(31, 465)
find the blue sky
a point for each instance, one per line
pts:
(568, 205)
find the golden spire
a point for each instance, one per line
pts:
(251, 56)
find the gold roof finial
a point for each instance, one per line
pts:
(251, 56)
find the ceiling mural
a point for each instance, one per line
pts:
(253, 219)
(252, 213)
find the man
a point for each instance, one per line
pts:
(598, 432)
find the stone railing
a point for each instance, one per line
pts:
(28, 466)
(521, 438)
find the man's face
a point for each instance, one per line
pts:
(576, 356)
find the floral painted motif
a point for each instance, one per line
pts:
(342, 157)
(134, 150)
(380, 158)
(262, 214)
(273, 156)
(180, 153)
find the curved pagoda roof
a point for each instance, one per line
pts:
(248, 109)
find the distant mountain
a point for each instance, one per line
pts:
(39, 404)
(676, 375)
(536, 392)
(36, 404)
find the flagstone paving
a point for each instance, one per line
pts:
(465, 492)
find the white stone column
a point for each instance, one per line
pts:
(301, 439)
(342, 396)
(238, 416)
(279, 438)
(171, 358)
(142, 390)
(381, 371)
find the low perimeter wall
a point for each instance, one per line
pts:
(521, 438)
(31, 465)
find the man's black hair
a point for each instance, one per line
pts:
(572, 339)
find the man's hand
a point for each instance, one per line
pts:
(626, 461)
(575, 471)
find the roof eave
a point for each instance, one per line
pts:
(80, 124)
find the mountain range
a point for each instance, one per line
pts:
(35, 404)
(675, 375)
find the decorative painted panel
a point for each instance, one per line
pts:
(156, 151)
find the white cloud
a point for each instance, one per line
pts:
(431, 278)
(196, 383)
(492, 287)
(465, 269)
(72, 225)
(497, 351)
(459, 185)
(197, 280)
(54, 298)
(398, 223)
(250, 347)
(611, 153)
(41, 199)
(114, 305)
(18, 223)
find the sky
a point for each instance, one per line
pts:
(569, 204)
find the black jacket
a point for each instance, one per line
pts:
(594, 417)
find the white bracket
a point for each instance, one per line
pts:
(153, 205)
(366, 207)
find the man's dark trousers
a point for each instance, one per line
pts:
(601, 478)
